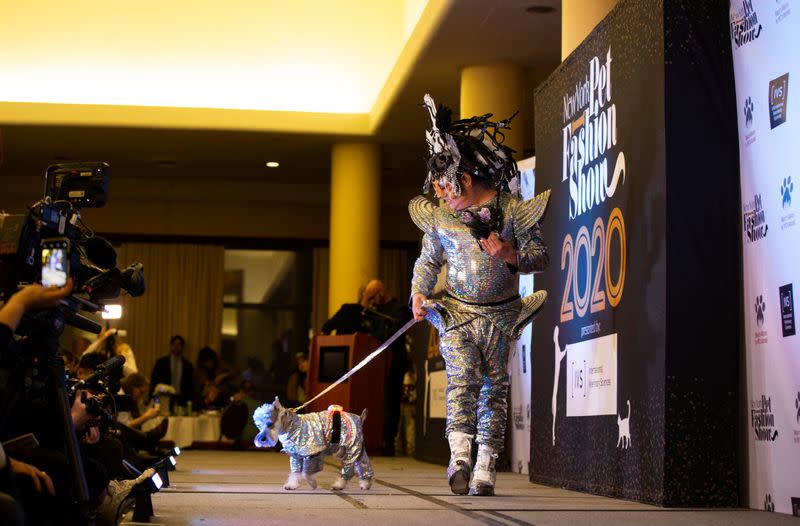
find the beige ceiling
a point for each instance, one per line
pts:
(304, 66)
(163, 144)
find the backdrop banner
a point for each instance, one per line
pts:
(765, 39)
(634, 135)
(519, 361)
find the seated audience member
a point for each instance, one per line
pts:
(41, 476)
(211, 380)
(297, 386)
(135, 386)
(175, 370)
(130, 418)
(246, 394)
(256, 373)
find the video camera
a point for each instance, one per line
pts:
(97, 390)
(51, 243)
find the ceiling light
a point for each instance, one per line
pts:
(273, 164)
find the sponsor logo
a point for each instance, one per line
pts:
(797, 408)
(592, 377)
(519, 422)
(755, 220)
(782, 12)
(787, 310)
(594, 328)
(786, 193)
(762, 420)
(749, 110)
(787, 187)
(744, 23)
(778, 94)
(760, 308)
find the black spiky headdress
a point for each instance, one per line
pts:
(473, 145)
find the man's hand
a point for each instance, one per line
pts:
(92, 435)
(499, 248)
(416, 306)
(38, 477)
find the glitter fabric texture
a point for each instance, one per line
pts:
(308, 441)
(477, 318)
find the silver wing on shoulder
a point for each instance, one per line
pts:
(422, 211)
(530, 212)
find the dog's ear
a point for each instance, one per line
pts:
(277, 404)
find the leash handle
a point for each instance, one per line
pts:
(363, 362)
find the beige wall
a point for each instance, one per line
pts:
(181, 207)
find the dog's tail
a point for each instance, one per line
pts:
(364, 414)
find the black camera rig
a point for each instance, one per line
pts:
(92, 260)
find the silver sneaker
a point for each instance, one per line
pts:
(484, 476)
(460, 466)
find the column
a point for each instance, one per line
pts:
(355, 220)
(498, 89)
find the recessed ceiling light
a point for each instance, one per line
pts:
(540, 9)
(272, 164)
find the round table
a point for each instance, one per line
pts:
(184, 431)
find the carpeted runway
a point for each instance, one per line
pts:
(246, 488)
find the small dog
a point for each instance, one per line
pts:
(308, 439)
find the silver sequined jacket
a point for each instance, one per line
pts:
(310, 435)
(478, 284)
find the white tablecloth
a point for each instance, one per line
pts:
(185, 430)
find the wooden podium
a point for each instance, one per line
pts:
(333, 356)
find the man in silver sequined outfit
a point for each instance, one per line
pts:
(486, 237)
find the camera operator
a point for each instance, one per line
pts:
(33, 481)
(102, 448)
(110, 344)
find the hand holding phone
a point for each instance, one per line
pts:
(55, 261)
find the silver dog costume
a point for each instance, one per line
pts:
(311, 437)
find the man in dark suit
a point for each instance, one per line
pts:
(175, 370)
(347, 320)
(380, 316)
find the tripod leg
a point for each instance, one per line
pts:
(70, 437)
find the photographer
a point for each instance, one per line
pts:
(40, 474)
(39, 412)
(110, 344)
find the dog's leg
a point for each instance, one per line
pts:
(295, 478)
(294, 481)
(312, 466)
(339, 484)
(345, 475)
(365, 471)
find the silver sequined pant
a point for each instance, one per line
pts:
(475, 356)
